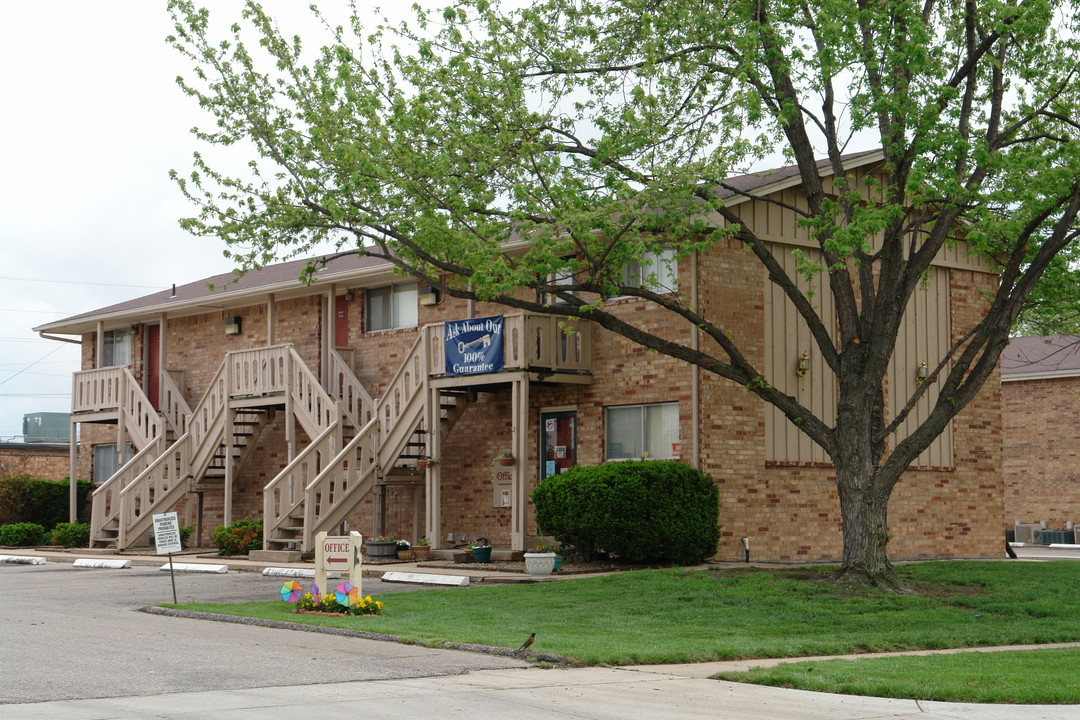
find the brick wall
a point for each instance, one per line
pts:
(1042, 451)
(33, 460)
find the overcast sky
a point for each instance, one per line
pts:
(92, 123)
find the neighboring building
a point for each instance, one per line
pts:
(48, 461)
(46, 427)
(310, 406)
(1040, 395)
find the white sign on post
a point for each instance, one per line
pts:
(167, 533)
(338, 553)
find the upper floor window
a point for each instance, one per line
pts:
(393, 306)
(117, 348)
(642, 431)
(658, 270)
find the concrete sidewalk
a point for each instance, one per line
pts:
(526, 694)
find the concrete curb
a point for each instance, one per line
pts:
(365, 634)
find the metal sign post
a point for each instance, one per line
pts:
(167, 539)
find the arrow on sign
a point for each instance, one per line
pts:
(333, 560)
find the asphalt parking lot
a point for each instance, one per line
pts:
(76, 633)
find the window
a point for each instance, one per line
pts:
(393, 306)
(117, 348)
(563, 277)
(640, 431)
(657, 270)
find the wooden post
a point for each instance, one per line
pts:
(230, 425)
(519, 443)
(73, 509)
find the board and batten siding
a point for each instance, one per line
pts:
(923, 337)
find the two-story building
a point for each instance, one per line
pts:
(313, 405)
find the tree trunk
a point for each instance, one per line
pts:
(864, 503)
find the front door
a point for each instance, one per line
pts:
(558, 442)
(153, 365)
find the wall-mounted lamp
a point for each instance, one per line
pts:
(232, 325)
(428, 295)
(350, 296)
(803, 366)
(922, 373)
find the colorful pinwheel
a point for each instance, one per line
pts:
(291, 591)
(346, 594)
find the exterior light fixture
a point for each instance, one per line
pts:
(428, 295)
(803, 366)
(232, 325)
(922, 373)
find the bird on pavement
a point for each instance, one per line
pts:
(525, 645)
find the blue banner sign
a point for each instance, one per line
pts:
(474, 346)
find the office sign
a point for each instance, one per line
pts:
(473, 347)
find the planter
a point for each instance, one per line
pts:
(558, 563)
(405, 555)
(463, 556)
(482, 554)
(507, 461)
(421, 552)
(386, 550)
(425, 464)
(540, 565)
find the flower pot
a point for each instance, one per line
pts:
(425, 464)
(482, 554)
(463, 556)
(507, 461)
(539, 564)
(405, 555)
(558, 563)
(386, 550)
(421, 552)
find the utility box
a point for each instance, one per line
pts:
(47, 427)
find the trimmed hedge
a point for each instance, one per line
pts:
(648, 512)
(71, 535)
(22, 534)
(238, 538)
(45, 502)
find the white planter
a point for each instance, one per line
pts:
(540, 564)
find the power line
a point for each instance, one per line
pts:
(40, 312)
(58, 347)
(80, 282)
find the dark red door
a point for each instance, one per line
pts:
(153, 365)
(341, 321)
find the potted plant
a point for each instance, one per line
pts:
(404, 551)
(481, 553)
(381, 548)
(421, 549)
(540, 562)
(506, 459)
(426, 461)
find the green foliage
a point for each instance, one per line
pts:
(185, 534)
(238, 538)
(46, 502)
(22, 534)
(71, 534)
(649, 511)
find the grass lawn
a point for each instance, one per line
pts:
(1035, 677)
(668, 616)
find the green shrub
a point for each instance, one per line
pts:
(648, 512)
(239, 538)
(71, 535)
(22, 534)
(185, 534)
(45, 502)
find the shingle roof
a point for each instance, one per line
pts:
(1041, 355)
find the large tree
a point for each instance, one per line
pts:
(599, 131)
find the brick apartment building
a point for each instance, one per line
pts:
(1040, 395)
(324, 397)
